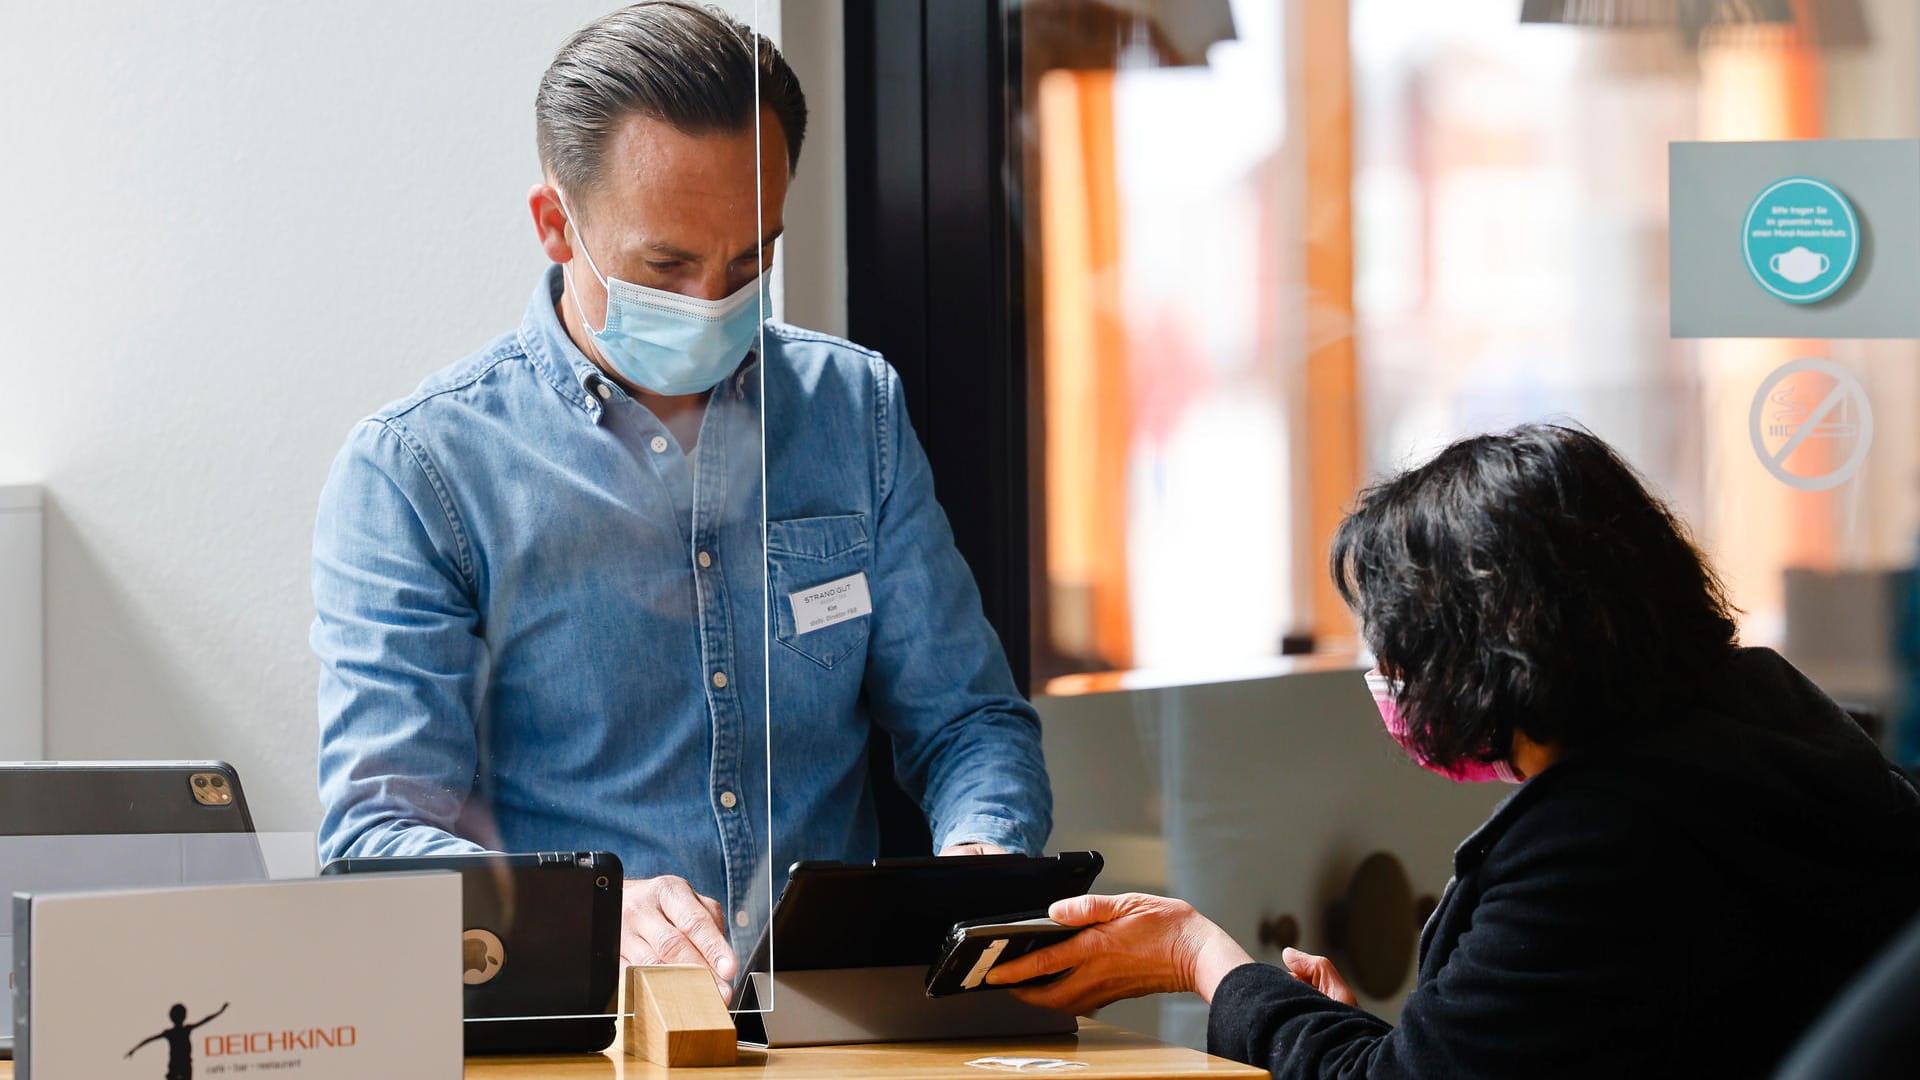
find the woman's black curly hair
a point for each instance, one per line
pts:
(1528, 581)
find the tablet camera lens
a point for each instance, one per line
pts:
(209, 789)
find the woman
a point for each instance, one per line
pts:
(1702, 849)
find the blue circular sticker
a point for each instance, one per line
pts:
(1802, 239)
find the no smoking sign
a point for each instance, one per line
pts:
(1811, 424)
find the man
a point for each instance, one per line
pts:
(543, 608)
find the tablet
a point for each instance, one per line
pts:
(77, 825)
(898, 912)
(121, 798)
(540, 944)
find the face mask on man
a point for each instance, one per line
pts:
(1386, 693)
(663, 341)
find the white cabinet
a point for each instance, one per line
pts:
(22, 655)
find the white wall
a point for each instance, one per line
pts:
(232, 228)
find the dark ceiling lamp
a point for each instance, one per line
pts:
(1830, 24)
(1690, 16)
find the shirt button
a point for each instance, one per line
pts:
(603, 390)
(728, 800)
(706, 560)
(659, 444)
(720, 680)
(740, 919)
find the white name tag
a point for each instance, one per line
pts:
(826, 605)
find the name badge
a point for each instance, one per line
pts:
(830, 604)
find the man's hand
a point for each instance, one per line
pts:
(1132, 945)
(974, 848)
(663, 921)
(1318, 972)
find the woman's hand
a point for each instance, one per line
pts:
(1133, 944)
(1318, 972)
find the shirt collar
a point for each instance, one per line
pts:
(572, 374)
(553, 351)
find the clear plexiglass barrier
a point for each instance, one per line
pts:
(641, 766)
(580, 677)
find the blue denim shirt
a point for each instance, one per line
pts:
(541, 626)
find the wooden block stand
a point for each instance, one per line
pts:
(675, 1017)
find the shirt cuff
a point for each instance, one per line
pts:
(985, 829)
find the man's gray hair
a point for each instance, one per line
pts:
(683, 64)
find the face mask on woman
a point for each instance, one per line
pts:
(1385, 693)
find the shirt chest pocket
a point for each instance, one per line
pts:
(804, 554)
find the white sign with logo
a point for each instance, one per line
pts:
(333, 977)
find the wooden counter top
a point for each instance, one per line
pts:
(1108, 1051)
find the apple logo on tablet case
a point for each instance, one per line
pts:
(481, 955)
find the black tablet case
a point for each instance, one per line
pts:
(561, 933)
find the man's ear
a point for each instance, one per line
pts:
(550, 222)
